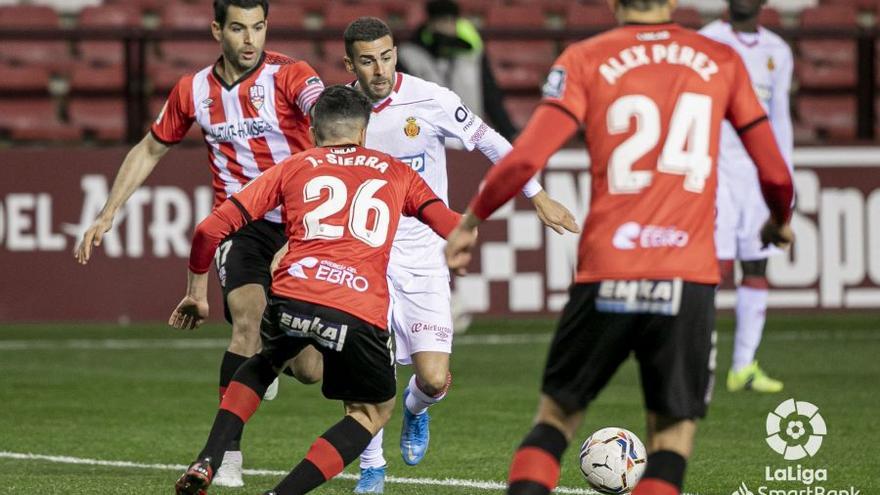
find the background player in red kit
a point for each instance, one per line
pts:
(342, 204)
(651, 97)
(253, 109)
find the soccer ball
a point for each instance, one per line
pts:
(613, 460)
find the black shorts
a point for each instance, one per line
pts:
(246, 255)
(669, 325)
(358, 362)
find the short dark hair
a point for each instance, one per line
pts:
(337, 106)
(442, 8)
(364, 29)
(221, 8)
(642, 4)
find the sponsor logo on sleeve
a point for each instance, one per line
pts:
(554, 87)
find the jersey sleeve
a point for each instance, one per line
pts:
(262, 194)
(301, 85)
(177, 115)
(456, 120)
(566, 86)
(780, 109)
(743, 109)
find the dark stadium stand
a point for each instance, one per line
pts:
(520, 16)
(520, 65)
(34, 120)
(827, 117)
(75, 70)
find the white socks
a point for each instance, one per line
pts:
(751, 312)
(417, 401)
(372, 456)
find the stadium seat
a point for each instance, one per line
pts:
(144, 6)
(333, 50)
(548, 6)
(33, 79)
(520, 108)
(515, 16)
(52, 54)
(179, 15)
(65, 6)
(333, 71)
(338, 15)
(521, 64)
(101, 119)
(107, 79)
(300, 50)
(830, 117)
(589, 16)
(190, 56)
(34, 120)
(864, 5)
(829, 62)
(106, 16)
(286, 16)
(770, 18)
(688, 16)
(28, 16)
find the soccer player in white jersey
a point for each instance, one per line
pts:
(412, 120)
(741, 212)
(253, 108)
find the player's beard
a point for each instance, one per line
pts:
(386, 89)
(236, 58)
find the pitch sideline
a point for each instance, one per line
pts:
(448, 482)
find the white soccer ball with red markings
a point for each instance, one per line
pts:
(613, 459)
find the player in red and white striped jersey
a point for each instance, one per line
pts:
(253, 109)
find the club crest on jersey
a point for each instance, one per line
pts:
(411, 129)
(770, 63)
(257, 95)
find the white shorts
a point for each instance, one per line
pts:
(420, 314)
(741, 212)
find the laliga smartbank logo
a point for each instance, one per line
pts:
(795, 430)
(787, 429)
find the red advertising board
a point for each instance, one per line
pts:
(48, 196)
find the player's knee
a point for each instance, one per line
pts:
(434, 382)
(308, 366)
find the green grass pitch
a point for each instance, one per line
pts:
(146, 394)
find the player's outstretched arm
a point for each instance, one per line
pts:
(529, 155)
(137, 166)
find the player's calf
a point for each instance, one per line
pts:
(327, 457)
